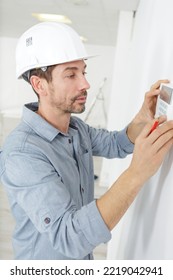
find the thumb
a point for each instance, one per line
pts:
(151, 126)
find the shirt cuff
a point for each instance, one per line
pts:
(93, 226)
(125, 142)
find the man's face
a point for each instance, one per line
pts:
(67, 91)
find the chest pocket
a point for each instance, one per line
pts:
(84, 158)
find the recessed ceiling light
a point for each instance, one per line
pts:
(52, 17)
(84, 39)
(78, 2)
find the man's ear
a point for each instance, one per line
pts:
(38, 85)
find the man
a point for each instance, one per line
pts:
(46, 162)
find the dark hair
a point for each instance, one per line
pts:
(44, 72)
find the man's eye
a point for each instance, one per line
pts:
(71, 76)
(84, 73)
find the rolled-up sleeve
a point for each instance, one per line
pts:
(124, 142)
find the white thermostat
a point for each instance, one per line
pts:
(164, 104)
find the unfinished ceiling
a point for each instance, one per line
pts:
(94, 19)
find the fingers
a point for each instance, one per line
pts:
(162, 130)
(150, 100)
(151, 148)
(165, 148)
(157, 84)
(162, 119)
(154, 90)
(157, 122)
(148, 129)
(152, 93)
(163, 140)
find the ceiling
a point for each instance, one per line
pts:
(94, 19)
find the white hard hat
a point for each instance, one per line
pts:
(46, 44)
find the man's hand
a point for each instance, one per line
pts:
(146, 113)
(151, 148)
(149, 153)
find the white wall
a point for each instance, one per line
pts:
(146, 230)
(119, 114)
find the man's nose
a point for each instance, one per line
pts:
(84, 83)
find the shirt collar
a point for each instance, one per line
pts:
(40, 125)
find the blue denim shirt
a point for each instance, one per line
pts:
(49, 179)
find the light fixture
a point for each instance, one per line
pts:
(52, 17)
(78, 2)
(84, 39)
(58, 18)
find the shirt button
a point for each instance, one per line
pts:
(69, 140)
(47, 220)
(82, 189)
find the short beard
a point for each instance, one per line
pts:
(74, 99)
(69, 108)
(81, 111)
(71, 111)
(79, 95)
